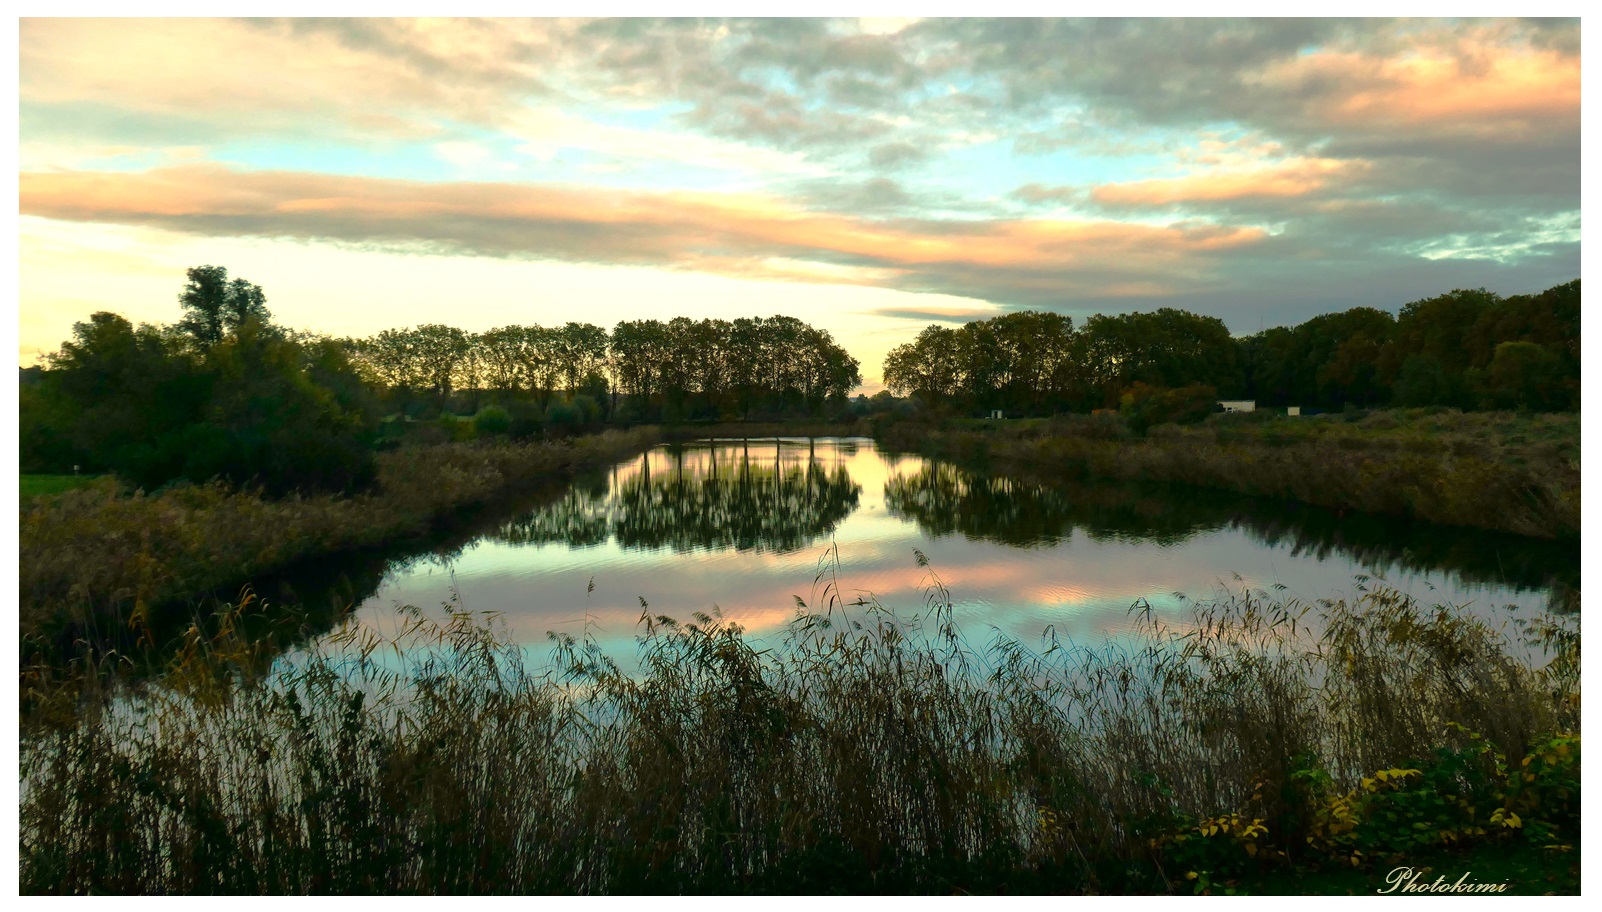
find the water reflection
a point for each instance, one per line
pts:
(696, 498)
(944, 499)
(741, 525)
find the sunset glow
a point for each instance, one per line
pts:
(867, 176)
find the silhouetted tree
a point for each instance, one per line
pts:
(214, 306)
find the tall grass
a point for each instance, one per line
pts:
(860, 750)
(92, 561)
(1500, 471)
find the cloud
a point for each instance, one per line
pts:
(254, 77)
(1477, 88)
(953, 315)
(873, 197)
(684, 230)
(1204, 163)
(896, 155)
(826, 90)
(1298, 177)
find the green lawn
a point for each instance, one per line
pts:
(35, 485)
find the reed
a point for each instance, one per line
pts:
(860, 749)
(101, 557)
(1499, 471)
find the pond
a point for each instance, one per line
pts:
(745, 527)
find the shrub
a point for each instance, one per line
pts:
(492, 420)
(565, 416)
(589, 410)
(456, 428)
(1144, 406)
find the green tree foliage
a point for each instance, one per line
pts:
(927, 367)
(268, 422)
(1468, 349)
(1033, 362)
(225, 395)
(1329, 360)
(1524, 376)
(1168, 348)
(1445, 347)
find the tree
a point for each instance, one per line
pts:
(503, 353)
(214, 306)
(1423, 381)
(270, 423)
(437, 352)
(252, 405)
(925, 367)
(1523, 375)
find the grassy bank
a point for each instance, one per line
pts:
(32, 486)
(865, 752)
(1485, 470)
(102, 557)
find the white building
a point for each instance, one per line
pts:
(1238, 405)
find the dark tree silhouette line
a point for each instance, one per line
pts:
(224, 392)
(642, 370)
(1465, 349)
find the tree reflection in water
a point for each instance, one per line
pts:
(756, 497)
(944, 499)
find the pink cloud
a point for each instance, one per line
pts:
(1290, 178)
(737, 234)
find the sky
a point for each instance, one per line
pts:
(868, 176)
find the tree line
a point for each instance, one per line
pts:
(224, 392)
(1465, 349)
(642, 370)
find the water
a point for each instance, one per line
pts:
(740, 527)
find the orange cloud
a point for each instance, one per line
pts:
(1479, 88)
(726, 233)
(1291, 178)
(280, 72)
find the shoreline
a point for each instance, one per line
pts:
(97, 559)
(1445, 479)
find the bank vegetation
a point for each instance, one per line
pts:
(856, 750)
